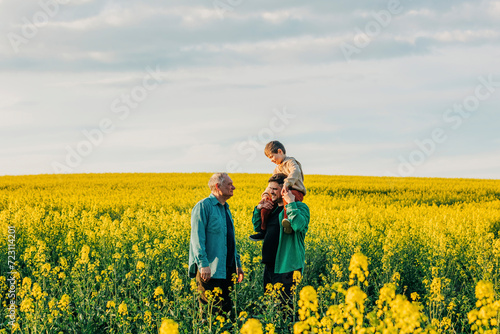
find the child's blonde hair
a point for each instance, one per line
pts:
(273, 147)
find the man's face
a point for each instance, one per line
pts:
(275, 190)
(226, 188)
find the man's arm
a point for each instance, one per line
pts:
(256, 218)
(298, 214)
(199, 220)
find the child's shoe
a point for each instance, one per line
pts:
(287, 226)
(258, 237)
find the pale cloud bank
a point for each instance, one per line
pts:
(363, 82)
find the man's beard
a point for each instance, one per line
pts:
(278, 200)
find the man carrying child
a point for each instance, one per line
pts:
(283, 253)
(294, 182)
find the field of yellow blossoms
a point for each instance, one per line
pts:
(107, 253)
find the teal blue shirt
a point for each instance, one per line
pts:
(291, 254)
(208, 245)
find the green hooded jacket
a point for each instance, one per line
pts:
(291, 249)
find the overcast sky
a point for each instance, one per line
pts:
(402, 88)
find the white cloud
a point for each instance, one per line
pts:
(8, 100)
(269, 48)
(484, 165)
(448, 36)
(465, 35)
(423, 12)
(494, 9)
(15, 118)
(280, 16)
(223, 78)
(119, 16)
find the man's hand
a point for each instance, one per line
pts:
(240, 274)
(288, 196)
(263, 204)
(205, 273)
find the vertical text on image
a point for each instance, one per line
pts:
(11, 264)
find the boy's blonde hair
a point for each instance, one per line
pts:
(273, 147)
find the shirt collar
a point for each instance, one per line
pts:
(215, 201)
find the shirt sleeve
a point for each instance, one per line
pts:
(298, 214)
(256, 220)
(199, 220)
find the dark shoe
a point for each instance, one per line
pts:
(258, 237)
(287, 226)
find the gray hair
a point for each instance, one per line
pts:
(217, 178)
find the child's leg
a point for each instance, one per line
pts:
(264, 214)
(299, 197)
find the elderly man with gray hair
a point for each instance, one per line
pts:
(213, 258)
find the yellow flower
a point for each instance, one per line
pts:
(270, 329)
(110, 304)
(64, 302)
(122, 309)
(168, 326)
(52, 303)
(387, 294)
(221, 320)
(297, 277)
(436, 290)
(252, 326)
(301, 327)
(217, 291)
(308, 294)
(193, 285)
(358, 267)
(243, 315)
(27, 305)
(46, 269)
(176, 281)
(84, 256)
(158, 291)
(63, 262)
(355, 305)
(308, 304)
(37, 292)
(487, 312)
(26, 284)
(140, 265)
(484, 290)
(147, 317)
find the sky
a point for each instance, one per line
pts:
(377, 88)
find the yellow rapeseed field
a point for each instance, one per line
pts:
(107, 253)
